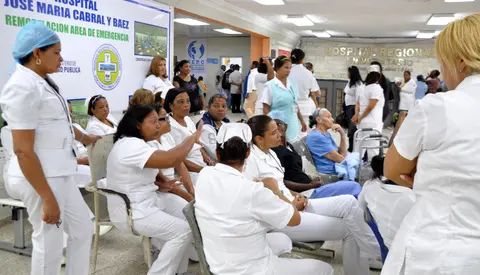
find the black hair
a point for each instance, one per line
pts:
(234, 151)
(93, 102)
(355, 76)
(420, 77)
(262, 67)
(180, 65)
(280, 61)
(236, 67)
(215, 96)
(377, 166)
(382, 76)
(200, 78)
(258, 125)
(297, 55)
(158, 97)
(373, 77)
(157, 107)
(24, 60)
(436, 73)
(408, 72)
(69, 101)
(171, 95)
(255, 64)
(128, 126)
(280, 122)
(312, 122)
(308, 64)
(378, 64)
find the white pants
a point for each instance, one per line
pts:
(284, 266)
(47, 239)
(170, 233)
(338, 218)
(279, 243)
(83, 176)
(370, 152)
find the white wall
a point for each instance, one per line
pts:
(329, 62)
(216, 48)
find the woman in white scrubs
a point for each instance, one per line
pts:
(234, 214)
(352, 91)
(132, 169)
(407, 92)
(308, 89)
(281, 94)
(157, 77)
(437, 151)
(177, 103)
(369, 109)
(41, 171)
(265, 74)
(327, 219)
(142, 96)
(101, 123)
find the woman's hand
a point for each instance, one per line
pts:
(304, 126)
(51, 211)
(90, 139)
(169, 185)
(355, 119)
(300, 202)
(198, 133)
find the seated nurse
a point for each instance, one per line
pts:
(132, 168)
(234, 214)
(177, 104)
(101, 123)
(326, 219)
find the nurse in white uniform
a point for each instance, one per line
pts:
(438, 144)
(101, 123)
(327, 219)
(407, 92)
(132, 169)
(369, 110)
(308, 89)
(41, 171)
(234, 214)
(157, 77)
(265, 74)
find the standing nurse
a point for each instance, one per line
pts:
(42, 169)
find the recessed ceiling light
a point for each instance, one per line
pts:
(426, 34)
(441, 19)
(227, 31)
(190, 22)
(270, 2)
(321, 34)
(457, 1)
(300, 20)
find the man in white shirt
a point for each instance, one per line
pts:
(218, 79)
(236, 80)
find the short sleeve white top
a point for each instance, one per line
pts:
(260, 81)
(260, 165)
(157, 84)
(126, 173)
(372, 91)
(235, 77)
(166, 143)
(180, 133)
(234, 215)
(353, 93)
(96, 127)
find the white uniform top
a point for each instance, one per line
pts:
(388, 204)
(235, 76)
(234, 215)
(306, 84)
(374, 118)
(208, 139)
(180, 133)
(80, 149)
(260, 165)
(126, 173)
(29, 103)
(407, 95)
(96, 127)
(166, 143)
(251, 81)
(158, 84)
(441, 233)
(260, 81)
(353, 93)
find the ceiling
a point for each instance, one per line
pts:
(200, 31)
(360, 18)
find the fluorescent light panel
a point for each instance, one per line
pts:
(457, 1)
(440, 19)
(270, 2)
(227, 31)
(321, 34)
(426, 34)
(300, 20)
(190, 22)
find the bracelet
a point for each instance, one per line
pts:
(81, 138)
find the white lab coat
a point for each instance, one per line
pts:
(441, 233)
(388, 204)
(29, 103)
(251, 81)
(234, 215)
(96, 127)
(156, 214)
(407, 95)
(158, 84)
(306, 84)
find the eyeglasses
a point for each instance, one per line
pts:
(166, 118)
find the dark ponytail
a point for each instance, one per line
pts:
(258, 125)
(234, 152)
(297, 56)
(377, 166)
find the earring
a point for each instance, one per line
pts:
(38, 62)
(460, 70)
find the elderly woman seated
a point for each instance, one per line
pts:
(328, 158)
(295, 178)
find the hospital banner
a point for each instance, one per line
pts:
(197, 55)
(107, 45)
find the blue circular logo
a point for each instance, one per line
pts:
(195, 52)
(107, 67)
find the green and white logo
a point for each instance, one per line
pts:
(107, 67)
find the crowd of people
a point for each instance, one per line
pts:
(247, 179)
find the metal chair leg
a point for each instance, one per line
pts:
(147, 250)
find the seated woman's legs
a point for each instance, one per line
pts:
(301, 266)
(337, 189)
(279, 243)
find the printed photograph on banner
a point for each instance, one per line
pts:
(150, 40)
(79, 111)
(197, 55)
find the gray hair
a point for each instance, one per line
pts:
(317, 113)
